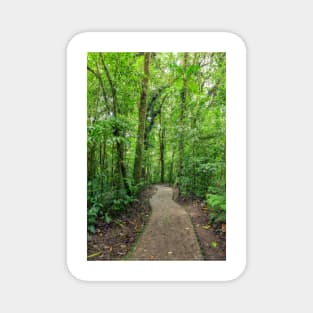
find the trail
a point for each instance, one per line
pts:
(169, 234)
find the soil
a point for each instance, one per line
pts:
(169, 234)
(211, 237)
(114, 241)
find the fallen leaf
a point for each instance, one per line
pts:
(206, 227)
(119, 224)
(213, 244)
(94, 254)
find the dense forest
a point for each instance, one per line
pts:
(155, 118)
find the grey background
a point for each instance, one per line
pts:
(33, 274)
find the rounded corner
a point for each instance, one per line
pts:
(74, 275)
(239, 273)
(238, 39)
(76, 38)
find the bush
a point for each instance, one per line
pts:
(105, 205)
(218, 204)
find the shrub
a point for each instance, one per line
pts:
(218, 204)
(105, 205)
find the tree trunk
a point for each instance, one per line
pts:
(91, 162)
(182, 120)
(161, 140)
(142, 111)
(121, 169)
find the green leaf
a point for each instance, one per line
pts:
(107, 218)
(92, 229)
(214, 244)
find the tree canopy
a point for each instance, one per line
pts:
(155, 117)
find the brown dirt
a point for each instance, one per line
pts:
(113, 241)
(169, 234)
(206, 232)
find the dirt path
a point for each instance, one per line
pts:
(169, 234)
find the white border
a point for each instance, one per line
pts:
(77, 156)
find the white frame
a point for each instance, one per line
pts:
(77, 156)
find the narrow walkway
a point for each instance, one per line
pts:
(169, 234)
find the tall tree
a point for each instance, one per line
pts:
(120, 165)
(142, 111)
(162, 148)
(182, 118)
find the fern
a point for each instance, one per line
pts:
(217, 203)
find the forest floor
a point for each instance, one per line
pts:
(114, 241)
(211, 237)
(159, 228)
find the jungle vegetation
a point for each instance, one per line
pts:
(155, 118)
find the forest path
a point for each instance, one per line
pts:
(169, 234)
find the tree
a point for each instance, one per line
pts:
(142, 111)
(162, 147)
(155, 117)
(182, 118)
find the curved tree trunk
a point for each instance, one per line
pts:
(142, 111)
(121, 169)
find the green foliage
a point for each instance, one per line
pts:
(197, 128)
(107, 218)
(105, 205)
(218, 205)
(92, 215)
(121, 200)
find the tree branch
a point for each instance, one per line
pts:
(98, 76)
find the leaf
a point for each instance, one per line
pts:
(214, 244)
(94, 254)
(120, 224)
(92, 229)
(206, 227)
(107, 218)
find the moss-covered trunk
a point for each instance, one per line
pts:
(142, 111)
